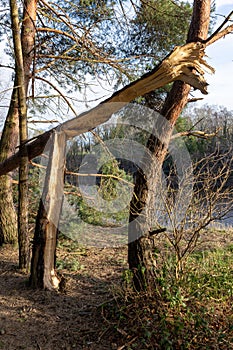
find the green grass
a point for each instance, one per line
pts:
(194, 312)
(209, 274)
(69, 252)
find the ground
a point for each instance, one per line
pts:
(82, 315)
(69, 319)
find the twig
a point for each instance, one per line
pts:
(101, 175)
(190, 100)
(218, 33)
(6, 66)
(38, 346)
(102, 333)
(60, 93)
(127, 344)
(43, 121)
(37, 165)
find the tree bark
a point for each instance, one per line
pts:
(9, 139)
(23, 238)
(140, 247)
(8, 218)
(44, 245)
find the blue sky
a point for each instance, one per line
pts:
(220, 56)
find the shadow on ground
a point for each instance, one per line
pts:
(45, 320)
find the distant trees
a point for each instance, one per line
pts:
(216, 120)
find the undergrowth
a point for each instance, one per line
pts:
(194, 312)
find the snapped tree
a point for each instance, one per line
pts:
(184, 63)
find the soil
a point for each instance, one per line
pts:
(69, 319)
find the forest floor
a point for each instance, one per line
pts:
(75, 317)
(69, 319)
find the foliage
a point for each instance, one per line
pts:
(108, 190)
(98, 202)
(66, 261)
(86, 40)
(192, 313)
(159, 24)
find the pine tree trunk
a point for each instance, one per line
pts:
(8, 218)
(140, 246)
(141, 238)
(9, 139)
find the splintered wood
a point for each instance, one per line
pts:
(184, 63)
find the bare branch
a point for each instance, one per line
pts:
(58, 31)
(110, 176)
(42, 121)
(218, 33)
(191, 100)
(60, 93)
(6, 66)
(196, 133)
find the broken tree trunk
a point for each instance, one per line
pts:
(184, 63)
(44, 244)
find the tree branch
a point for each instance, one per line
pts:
(196, 133)
(59, 92)
(218, 33)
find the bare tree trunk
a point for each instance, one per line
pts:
(140, 247)
(24, 47)
(44, 245)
